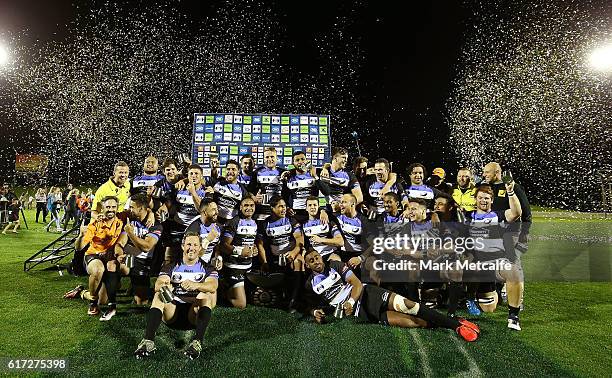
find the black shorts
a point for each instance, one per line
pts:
(104, 257)
(140, 281)
(232, 276)
(181, 317)
(142, 267)
(373, 305)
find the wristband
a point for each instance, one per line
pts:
(510, 194)
(351, 301)
(360, 258)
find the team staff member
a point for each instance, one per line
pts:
(194, 289)
(117, 186)
(102, 234)
(464, 190)
(336, 285)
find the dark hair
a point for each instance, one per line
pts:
(232, 161)
(140, 199)
(394, 195)
(204, 203)
(189, 234)
(195, 166)
(447, 197)
(385, 162)
(296, 153)
(339, 151)
(168, 162)
(420, 201)
(246, 156)
(312, 198)
(413, 166)
(275, 200)
(358, 160)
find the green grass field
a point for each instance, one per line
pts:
(567, 326)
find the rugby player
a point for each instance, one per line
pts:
(206, 226)
(194, 288)
(150, 176)
(164, 187)
(280, 241)
(383, 181)
(228, 192)
(238, 247)
(102, 234)
(266, 183)
(490, 225)
(417, 188)
(137, 241)
(324, 237)
(186, 203)
(246, 169)
(357, 231)
(299, 184)
(336, 285)
(336, 181)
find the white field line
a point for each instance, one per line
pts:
(473, 369)
(422, 353)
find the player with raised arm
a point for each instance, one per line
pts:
(335, 180)
(228, 192)
(377, 185)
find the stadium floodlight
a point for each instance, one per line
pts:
(601, 58)
(4, 55)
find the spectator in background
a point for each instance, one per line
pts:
(65, 194)
(83, 205)
(30, 203)
(54, 201)
(41, 204)
(71, 208)
(13, 216)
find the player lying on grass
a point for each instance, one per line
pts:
(192, 288)
(336, 285)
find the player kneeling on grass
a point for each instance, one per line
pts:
(185, 294)
(336, 285)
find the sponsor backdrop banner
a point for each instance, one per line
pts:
(31, 163)
(229, 136)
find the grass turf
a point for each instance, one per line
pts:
(566, 326)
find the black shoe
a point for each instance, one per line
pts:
(193, 350)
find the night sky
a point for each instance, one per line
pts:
(413, 66)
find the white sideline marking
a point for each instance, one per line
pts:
(422, 353)
(473, 369)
